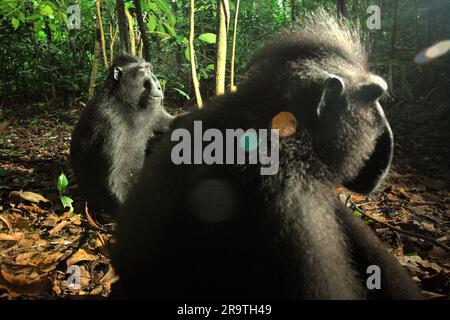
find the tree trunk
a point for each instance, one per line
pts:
(97, 51)
(293, 12)
(394, 30)
(341, 9)
(131, 32)
(102, 34)
(142, 29)
(416, 26)
(223, 18)
(122, 22)
(233, 46)
(284, 9)
(355, 14)
(113, 37)
(195, 82)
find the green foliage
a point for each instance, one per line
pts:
(208, 37)
(62, 184)
(42, 61)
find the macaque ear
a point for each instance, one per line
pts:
(373, 90)
(334, 87)
(117, 72)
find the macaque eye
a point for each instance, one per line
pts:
(147, 69)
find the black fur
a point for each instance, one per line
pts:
(110, 139)
(225, 231)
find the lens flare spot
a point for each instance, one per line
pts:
(213, 201)
(433, 52)
(286, 123)
(249, 141)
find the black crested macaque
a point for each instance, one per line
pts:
(109, 142)
(217, 231)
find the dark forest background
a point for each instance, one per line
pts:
(43, 62)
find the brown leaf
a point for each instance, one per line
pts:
(16, 236)
(90, 220)
(81, 255)
(18, 196)
(437, 253)
(33, 208)
(5, 220)
(3, 126)
(358, 198)
(75, 219)
(24, 285)
(340, 189)
(56, 289)
(392, 197)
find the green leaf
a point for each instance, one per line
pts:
(160, 27)
(42, 35)
(2, 172)
(162, 35)
(180, 40)
(208, 38)
(21, 16)
(181, 92)
(46, 10)
(211, 67)
(357, 213)
(66, 202)
(187, 54)
(153, 7)
(165, 7)
(172, 19)
(15, 23)
(62, 183)
(38, 25)
(170, 29)
(152, 22)
(128, 5)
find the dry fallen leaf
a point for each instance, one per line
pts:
(358, 198)
(81, 255)
(16, 236)
(18, 196)
(22, 284)
(6, 222)
(33, 208)
(76, 219)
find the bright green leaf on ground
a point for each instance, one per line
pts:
(357, 213)
(62, 183)
(66, 202)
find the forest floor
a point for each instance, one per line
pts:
(39, 239)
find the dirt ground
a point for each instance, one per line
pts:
(39, 239)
